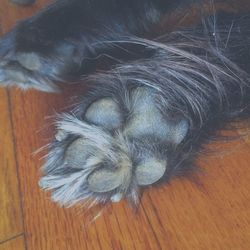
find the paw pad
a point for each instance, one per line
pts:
(105, 113)
(150, 171)
(30, 61)
(107, 154)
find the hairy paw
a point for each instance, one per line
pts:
(27, 62)
(111, 147)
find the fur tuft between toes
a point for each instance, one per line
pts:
(108, 151)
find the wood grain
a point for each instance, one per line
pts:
(208, 210)
(14, 244)
(10, 211)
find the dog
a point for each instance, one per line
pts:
(147, 117)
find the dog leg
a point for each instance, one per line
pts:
(145, 121)
(54, 44)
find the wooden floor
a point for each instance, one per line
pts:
(208, 210)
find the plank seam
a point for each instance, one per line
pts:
(11, 238)
(17, 168)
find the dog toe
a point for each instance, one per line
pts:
(107, 151)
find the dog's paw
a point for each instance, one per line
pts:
(112, 147)
(26, 63)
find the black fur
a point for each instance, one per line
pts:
(194, 77)
(68, 32)
(198, 75)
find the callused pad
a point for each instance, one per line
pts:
(114, 151)
(104, 112)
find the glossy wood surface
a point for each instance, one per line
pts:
(208, 210)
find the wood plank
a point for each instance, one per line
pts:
(14, 244)
(10, 212)
(210, 210)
